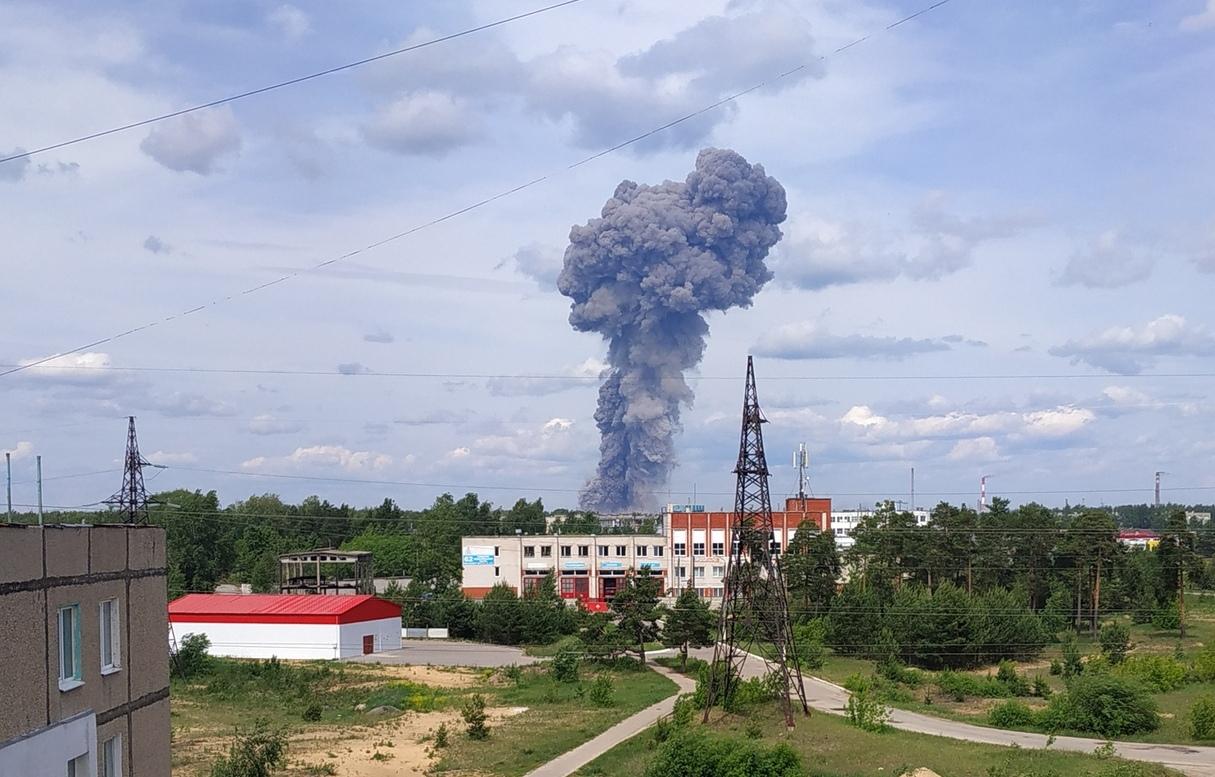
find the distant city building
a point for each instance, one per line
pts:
(845, 522)
(288, 625)
(86, 662)
(1195, 518)
(1139, 538)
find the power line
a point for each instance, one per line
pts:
(451, 215)
(289, 82)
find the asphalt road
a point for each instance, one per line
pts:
(830, 698)
(436, 652)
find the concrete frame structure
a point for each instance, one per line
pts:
(109, 575)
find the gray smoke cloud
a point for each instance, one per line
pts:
(643, 275)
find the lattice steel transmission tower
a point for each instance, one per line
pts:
(131, 501)
(755, 604)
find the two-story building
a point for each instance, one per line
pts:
(84, 659)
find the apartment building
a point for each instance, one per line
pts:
(844, 523)
(84, 662)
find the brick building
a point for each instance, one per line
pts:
(84, 660)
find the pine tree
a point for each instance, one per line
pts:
(811, 566)
(690, 624)
(637, 611)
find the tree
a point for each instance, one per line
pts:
(198, 555)
(1176, 554)
(811, 565)
(689, 624)
(637, 611)
(1093, 544)
(1115, 641)
(499, 619)
(543, 614)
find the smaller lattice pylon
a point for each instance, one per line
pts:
(131, 501)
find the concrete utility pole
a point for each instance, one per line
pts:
(913, 489)
(38, 459)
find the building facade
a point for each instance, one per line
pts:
(84, 662)
(692, 550)
(299, 626)
(844, 523)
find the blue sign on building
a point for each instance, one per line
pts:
(573, 565)
(649, 564)
(611, 565)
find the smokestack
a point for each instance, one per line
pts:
(643, 275)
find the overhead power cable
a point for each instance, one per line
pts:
(289, 82)
(459, 211)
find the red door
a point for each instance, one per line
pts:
(368, 644)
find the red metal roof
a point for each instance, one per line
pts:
(1137, 534)
(279, 608)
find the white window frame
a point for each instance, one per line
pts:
(76, 678)
(78, 766)
(114, 637)
(111, 757)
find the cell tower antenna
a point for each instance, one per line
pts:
(801, 460)
(755, 603)
(131, 501)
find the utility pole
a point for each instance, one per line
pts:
(38, 460)
(913, 490)
(8, 469)
(131, 501)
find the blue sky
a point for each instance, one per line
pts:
(990, 189)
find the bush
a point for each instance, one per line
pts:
(696, 753)
(1072, 663)
(1011, 714)
(312, 713)
(258, 753)
(602, 691)
(866, 712)
(1056, 667)
(1167, 618)
(810, 640)
(685, 709)
(441, 735)
(753, 691)
(1104, 704)
(1160, 673)
(1041, 687)
(405, 695)
(897, 673)
(1115, 641)
(959, 686)
(564, 666)
(191, 658)
(1203, 668)
(474, 716)
(1007, 675)
(1202, 718)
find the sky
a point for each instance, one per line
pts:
(1013, 190)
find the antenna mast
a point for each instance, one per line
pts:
(131, 501)
(801, 460)
(755, 603)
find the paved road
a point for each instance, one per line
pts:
(435, 652)
(831, 698)
(580, 756)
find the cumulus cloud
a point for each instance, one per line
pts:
(22, 450)
(434, 418)
(978, 449)
(1203, 20)
(378, 336)
(14, 170)
(1128, 350)
(556, 440)
(807, 340)
(156, 245)
(168, 458)
(422, 123)
(1108, 262)
(353, 368)
(86, 367)
(540, 263)
(323, 457)
(291, 22)
(186, 404)
(861, 422)
(196, 142)
(822, 253)
(579, 376)
(267, 424)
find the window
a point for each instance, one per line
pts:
(79, 766)
(603, 550)
(529, 551)
(497, 571)
(546, 551)
(718, 571)
(642, 549)
(495, 550)
(719, 548)
(621, 550)
(69, 648)
(659, 550)
(681, 549)
(698, 571)
(775, 548)
(111, 637)
(698, 548)
(681, 571)
(111, 757)
(584, 550)
(565, 551)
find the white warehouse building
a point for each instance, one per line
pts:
(844, 523)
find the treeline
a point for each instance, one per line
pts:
(970, 589)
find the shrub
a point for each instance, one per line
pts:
(1011, 714)
(1115, 641)
(513, 673)
(810, 639)
(474, 716)
(1160, 673)
(866, 712)
(405, 695)
(191, 658)
(696, 753)
(312, 713)
(1056, 667)
(897, 673)
(1102, 703)
(754, 729)
(1202, 718)
(1016, 684)
(1041, 687)
(1072, 663)
(602, 691)
(1203, 669)
(959, 686)
(1167, 618)
(258, 753)
(714, 675)
(685, 709)
(753, 691)
(564, 666)
(441, 735)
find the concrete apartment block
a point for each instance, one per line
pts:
(85, 660)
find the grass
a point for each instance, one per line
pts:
(829, 747)
(573, 643)
(560, 717)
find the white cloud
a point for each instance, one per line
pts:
(290, 21)
(977, 449)
(156, 245)
(808, 340)
(861, 422)
(582, 375)
(1108, 262)
(1203, 20)
(22, 450)
(181, 404)
(380, 336)
(86, 367)
(267, 424)
(422, 123)
(168, 459)
(315, 458)
(556, 440)
(196, 142)
(1127, 350)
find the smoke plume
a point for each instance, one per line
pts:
(643, 275)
